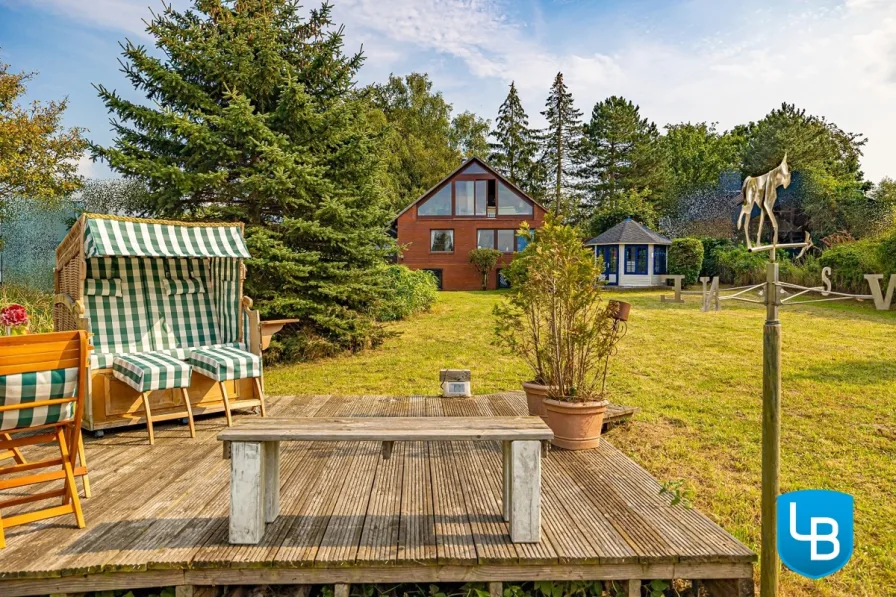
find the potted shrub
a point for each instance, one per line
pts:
(519, 327)
(557, 320)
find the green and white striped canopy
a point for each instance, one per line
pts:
(107, 237)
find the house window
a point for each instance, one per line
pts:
(463, 197)
(511, 204)
(636, 259)
(437, 205)
(505, 240)
(474, 168)
(522, 242)
(659, 260)
(441, 241)
(485, 239)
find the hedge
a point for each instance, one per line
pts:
(686, 259)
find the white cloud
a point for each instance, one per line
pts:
(837, 61)
(118, 15)
(90, 169)
(728, 62)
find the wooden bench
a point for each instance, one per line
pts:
(253, 445)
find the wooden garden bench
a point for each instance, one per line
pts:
(253, 445)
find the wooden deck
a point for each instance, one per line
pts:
(431, 513)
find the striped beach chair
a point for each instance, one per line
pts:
(164, 303)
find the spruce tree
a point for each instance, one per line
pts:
(560, 141)
(621, 154)
(513, 152)
(251, 116)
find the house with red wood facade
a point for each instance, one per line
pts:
(472, 207)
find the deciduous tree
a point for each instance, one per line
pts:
(469, 135)
(38, 155)
(419, 150)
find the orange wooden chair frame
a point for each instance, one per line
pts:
(43, 352)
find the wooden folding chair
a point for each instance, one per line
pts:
(43, 382)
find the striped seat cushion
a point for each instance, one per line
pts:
(104, 361)
(151, 371)
(22, 388)
(222, 364)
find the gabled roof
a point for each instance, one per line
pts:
(629, 232)
(457, 170)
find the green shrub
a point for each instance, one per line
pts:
(736, 265)
(408, 292)
(887, 254)
(686, 259)
(711, 244)
(849, 262)
(485, 260)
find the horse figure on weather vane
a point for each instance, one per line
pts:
(763, 191)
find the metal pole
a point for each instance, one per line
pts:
(771, 434)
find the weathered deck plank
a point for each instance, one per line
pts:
(164, 510)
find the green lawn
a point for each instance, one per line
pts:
(697, 379)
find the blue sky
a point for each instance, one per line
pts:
(699, 60)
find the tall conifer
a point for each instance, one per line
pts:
(513, 152)
(251, 116)
(560, 141)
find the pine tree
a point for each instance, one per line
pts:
(513, 152)
(560, 141)
(620, 154)
(252, 117)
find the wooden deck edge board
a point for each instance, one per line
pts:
(498, 573)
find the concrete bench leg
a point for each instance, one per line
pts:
(508, 479)
(271, 481)
(525, 492)
(247, 492)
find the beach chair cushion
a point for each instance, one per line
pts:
(224, 363)
(104, 361)
(178, 296)
(115, 305)
(151, 371)
(37, 386)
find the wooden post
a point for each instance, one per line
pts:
(771, 434)
(247, 502)
(271, 481)
(495, 589)
(341, 590)
(525, 492)
(634, 588)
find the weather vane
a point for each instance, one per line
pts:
(762, 191)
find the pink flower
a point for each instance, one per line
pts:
(14, 315)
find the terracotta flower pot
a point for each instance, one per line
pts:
(535, 395)
(576, 425)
